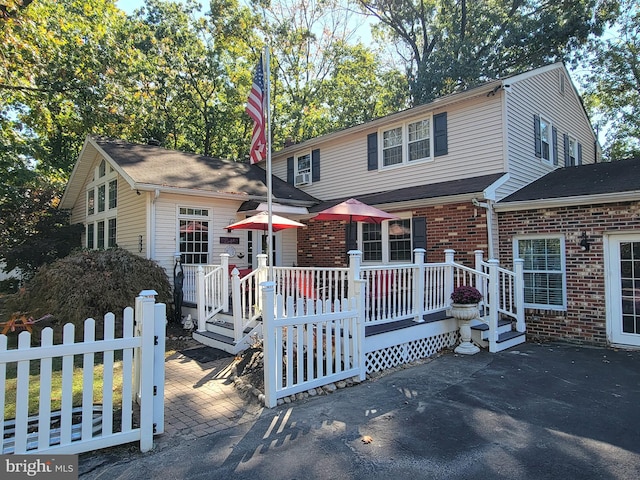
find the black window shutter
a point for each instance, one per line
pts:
(554, 133)
(538, 138)
(290, 170)
(567, 160)
(315, 165)
(440, 142)
(579, 154)
(372, 151)
(419, 232)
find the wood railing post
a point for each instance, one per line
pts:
(263, 276)
(419, 285)
(224, 287)
(448, 275)
(480, 283)
(518, 266)
(355, 260)
(268, 344)
(359, 290)
(493, 302)
(200, 299)
(237, 304)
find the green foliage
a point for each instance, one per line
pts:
(89, 284)
(33, 231)
(449, 45)
(612, 87)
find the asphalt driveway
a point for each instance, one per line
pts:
(548, 411)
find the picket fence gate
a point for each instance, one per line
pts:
(91, 425)
(310, 344)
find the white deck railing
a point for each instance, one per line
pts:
(391, 292)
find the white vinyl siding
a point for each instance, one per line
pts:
(475, 147)
(540, 94)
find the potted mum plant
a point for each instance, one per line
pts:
(464, 308)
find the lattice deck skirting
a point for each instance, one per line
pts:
(408, 352)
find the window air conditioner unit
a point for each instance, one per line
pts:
(302, 178)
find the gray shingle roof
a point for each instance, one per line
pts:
(154, 165)
(434, 190)
(593, 179)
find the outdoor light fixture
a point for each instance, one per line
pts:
(584, 242)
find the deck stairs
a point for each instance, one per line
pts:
(219, 334)
(508, 336)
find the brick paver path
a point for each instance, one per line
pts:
(200, 398)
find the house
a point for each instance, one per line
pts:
(160, 203)
(442, 168)
(578, 231)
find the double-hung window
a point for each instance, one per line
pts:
(387, 242)
(101, 208)
(303, 170)
(407, 143)
(544, 271)
(193, 232)
(545, 138)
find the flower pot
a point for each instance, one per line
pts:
(464, 313)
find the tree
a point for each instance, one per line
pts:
(321, 80)
(612, 88)
(449, 45)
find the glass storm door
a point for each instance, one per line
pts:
(625, 290)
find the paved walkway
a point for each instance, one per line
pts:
(200, 398)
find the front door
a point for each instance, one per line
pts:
(257, 243)
(623, 312)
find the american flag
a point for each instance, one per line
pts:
(255, 109)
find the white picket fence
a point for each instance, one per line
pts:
(92, 424)
(309, 344)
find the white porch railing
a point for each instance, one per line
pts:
(391, 292)
(93, 424)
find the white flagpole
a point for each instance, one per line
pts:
(267, 84)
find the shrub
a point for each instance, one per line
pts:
(87, 284)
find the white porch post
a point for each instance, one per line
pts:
(493, 303)
(236, 305)
(518, 266)
(419, 285)
(448, 275)
(200, 299)
(480, 284)
(224, 288)
(355, 260)
(268, 344)
(359, 286)
(263, 276)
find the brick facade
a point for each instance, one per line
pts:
(585, 318)
(459, 226)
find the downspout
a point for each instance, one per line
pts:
(151, 254)
(488, 205)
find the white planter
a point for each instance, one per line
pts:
(464, 313)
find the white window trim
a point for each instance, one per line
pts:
(551, 159)
(571, 138)
(185, 216)
(297, 172)
(563, 270)
(108, 213)
(405, 143)
(386, 253)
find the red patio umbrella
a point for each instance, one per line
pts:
(353, 210)
(260, 221)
